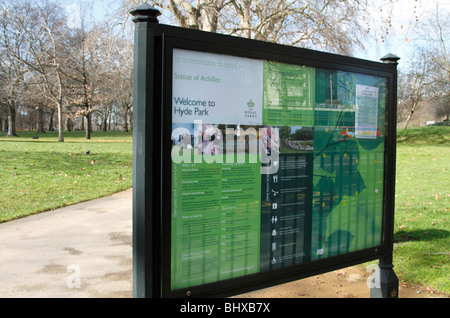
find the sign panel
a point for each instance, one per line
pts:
(273, 165)
(217, 89)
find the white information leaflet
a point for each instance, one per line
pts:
(218, 89)
(366, 116)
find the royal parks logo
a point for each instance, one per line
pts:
(250, 112)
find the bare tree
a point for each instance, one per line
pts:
(331, 25)
(48, 60)
(325, 25)
(83, 73)
(120, 75)
(436, 33)
(441, 26)
(42, 28)
(12, 69)
(414, 86)
(428, 77)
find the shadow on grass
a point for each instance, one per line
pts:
(420, 235)
(424, 135)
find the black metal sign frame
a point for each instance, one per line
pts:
(154, 46)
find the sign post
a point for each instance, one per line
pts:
(385, 282)
(256, 164)
(145, 156)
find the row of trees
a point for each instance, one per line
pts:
(50, 64)
(54, 63)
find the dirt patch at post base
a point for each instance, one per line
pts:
(351, 282)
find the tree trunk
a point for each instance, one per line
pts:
(50, 122)
(109, 119)
(88, 117)
(40, 121)
(104, 123)
(413, 109)
(125, 119)
(245, 19)
(68, 124)
(88, 126)
(60, 124)
(11, 120)
(4, 125)
(210, 16)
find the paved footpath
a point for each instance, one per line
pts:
(85, 251)
(82, 250)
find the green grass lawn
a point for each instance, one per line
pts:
(42, 174)
(422, 233)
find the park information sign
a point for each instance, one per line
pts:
(254, 163)
(273, 165)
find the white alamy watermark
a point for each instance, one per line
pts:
(207, 143)
(74, 279)
(373, 281)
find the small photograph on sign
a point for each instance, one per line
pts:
(183, 135)
(296, 139)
